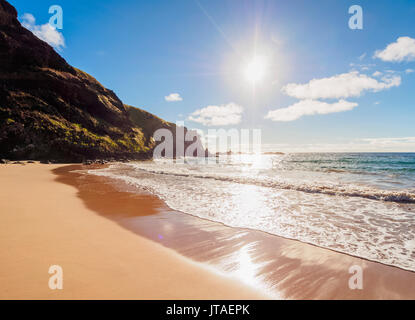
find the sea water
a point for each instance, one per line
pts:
(362, 204)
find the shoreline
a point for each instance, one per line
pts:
(44, 223)
(264, 255)
(134, 190)
(114, 242)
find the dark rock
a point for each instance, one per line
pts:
(91, 162)
(51, 110)
(4, 161)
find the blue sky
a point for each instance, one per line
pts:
(201, 50)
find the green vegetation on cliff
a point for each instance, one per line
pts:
(50, 110)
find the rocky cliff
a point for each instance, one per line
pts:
(51, 110)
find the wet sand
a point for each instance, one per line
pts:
(284, 268)
(44, 222)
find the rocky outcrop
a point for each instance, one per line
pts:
(51, 110)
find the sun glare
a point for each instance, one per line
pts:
(255, 70)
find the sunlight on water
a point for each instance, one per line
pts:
(247, 270)
(359, 204)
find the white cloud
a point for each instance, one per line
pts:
(390, 141)
(222, 115)
(401, 50)
(409, 71)
(172, 97)
(345, 85)
(404, 144)
(376, 74)
(28, 18)
(362, 56)
(45, 32)
(309, 107)
(362, 66)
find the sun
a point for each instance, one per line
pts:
(255, 70)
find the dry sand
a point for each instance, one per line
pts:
(44, 223)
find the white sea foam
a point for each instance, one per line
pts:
(349, 218)
(327, 187)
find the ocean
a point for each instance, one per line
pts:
(361, 204)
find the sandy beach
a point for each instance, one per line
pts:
(256, 150)
(116, 244)
(44, 223)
